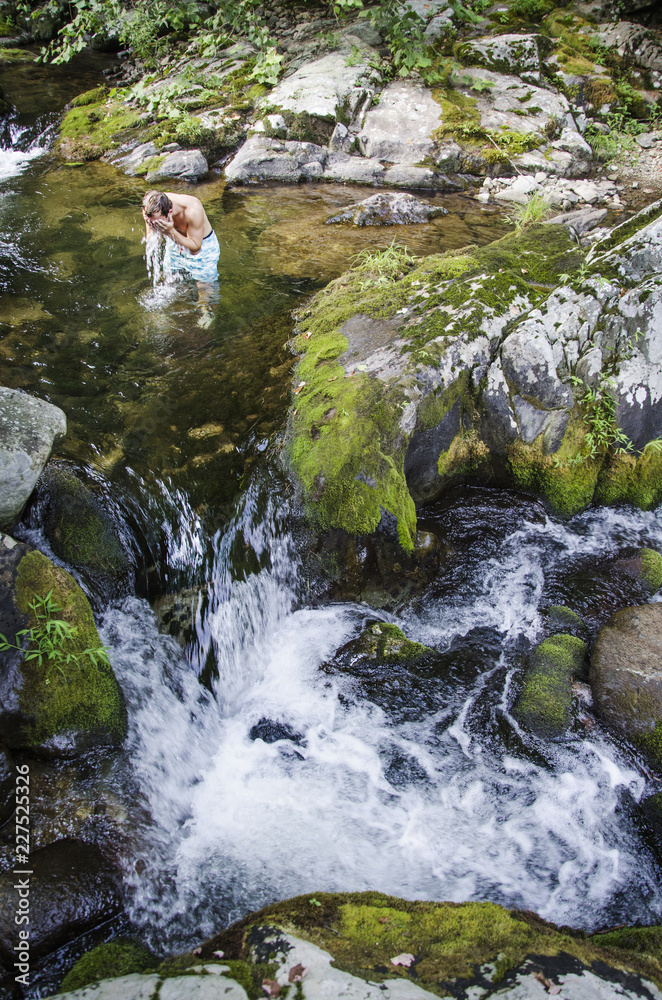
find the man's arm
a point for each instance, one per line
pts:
(195, 220)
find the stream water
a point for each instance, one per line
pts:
(276, 777)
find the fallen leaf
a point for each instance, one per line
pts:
(271, 987)
(333, 379)
(197, 951)
(551, 987)
(524, 271)
(308, 335)
(381, 920)
(299, 388)
(405, 959)
(296, 973)
(219, 954)
(294, 413)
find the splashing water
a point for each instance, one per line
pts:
(165, 284)
(410, 790)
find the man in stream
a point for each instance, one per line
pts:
(191, 244)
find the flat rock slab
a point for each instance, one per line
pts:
(29, 428)
(399, 129)
(582, 221)
(134, 987)
(388, 209)
(326, 86)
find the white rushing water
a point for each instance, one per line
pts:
(415, 796)
(22, 150)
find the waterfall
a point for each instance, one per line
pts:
(284, 778)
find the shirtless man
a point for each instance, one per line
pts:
(192, 245)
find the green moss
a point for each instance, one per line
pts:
(108, 961)
(651, 568)
(86, 698)
(568, 484)
(386, 643)
(153, 163)
(642, 940)
(87, 132)
(650, 744)
(95, 96)
(79, 530)
(621, 233)
(451, 942)
(545, 700)
(9, 56)
(635, 479)
(558, 618)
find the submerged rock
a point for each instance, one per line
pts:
(388, 210)
(29, 428)
(545, 700)
(63, 707)
(82, 532)
(626, 676)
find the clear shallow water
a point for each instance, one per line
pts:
(419, 785)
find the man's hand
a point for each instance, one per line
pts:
(162, 225)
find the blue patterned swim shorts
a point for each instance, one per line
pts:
(203, 265)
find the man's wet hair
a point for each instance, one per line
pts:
(156, 202)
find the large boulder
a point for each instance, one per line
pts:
(29, 429)
(626, 676)
(328, 88)
(517, 55)
(261, 159)
(56, 707)
(399, 129)
(181, 165)
(517, 363)
(368, 946)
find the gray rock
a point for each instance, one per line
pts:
(340, 141)
(439, 26)
(500, 418)
(581, 153)
(326, 86)
(263, 159)
(626, 670)
(582, 221)
(29, 428)
(344, 168)
(130, 162)
(73, 890)
(209, 987)
(646, 141)
(643, 45)
(399, 129)
(517, 55)
(133, 987)
(403, 176)
(184, 165)
(529, 364)
(388, 209)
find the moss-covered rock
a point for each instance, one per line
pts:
(544, 702)
(59, 706)
(456, 947)
(81, 531)
(94, 125)
(383, 642)
(560, 619)
(108, 961)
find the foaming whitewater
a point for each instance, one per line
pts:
(22, 148)
(431, 792)
(165, 285)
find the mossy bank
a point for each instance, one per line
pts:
(518, 363)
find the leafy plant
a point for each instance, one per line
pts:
(268, 66)
(50, 639)
(534, 210)
(383, 266)
(599, 414)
